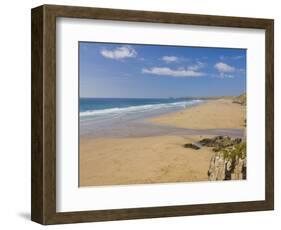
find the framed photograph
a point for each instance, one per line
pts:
(141, 114)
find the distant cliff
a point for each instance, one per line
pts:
(242, 99)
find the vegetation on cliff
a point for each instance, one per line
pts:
(229, 159)
(242, 99)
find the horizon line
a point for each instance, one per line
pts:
(171, 97)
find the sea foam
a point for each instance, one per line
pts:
(139, 109)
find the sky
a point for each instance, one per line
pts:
(110, 70)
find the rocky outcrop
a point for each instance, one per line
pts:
(240, 99)
(229, 159)
(191, 146)
(220, 142)
(229, 163)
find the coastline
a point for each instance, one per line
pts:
(159, 158)
(216, 114)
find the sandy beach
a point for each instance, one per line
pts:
(222, 113)
(158, 158)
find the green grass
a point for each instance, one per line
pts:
(234, 151)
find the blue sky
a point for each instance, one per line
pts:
(154, 71)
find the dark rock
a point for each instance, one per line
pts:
(237, 141)
(206, 142)
(216, 149)
(219, 142)
(191, 146)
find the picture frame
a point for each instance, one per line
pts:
(43, 96)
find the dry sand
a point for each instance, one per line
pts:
(141, 160)
(157, 159)
(217, 114)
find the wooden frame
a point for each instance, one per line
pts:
(43, 207)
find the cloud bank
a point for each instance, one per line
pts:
(165, 71)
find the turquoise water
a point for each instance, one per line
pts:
(126, 117)
(92, 107)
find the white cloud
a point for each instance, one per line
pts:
(169, 59)
(232, 57)
(223, 75)
(224, 68)
(119, 53)
(180, 72)
(196, 66)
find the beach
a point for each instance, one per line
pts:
(150, 149)
(217, 114)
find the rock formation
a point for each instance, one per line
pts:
(240, 99)
(229, 159)
(229, 162)
(219, 142)
(191, 146)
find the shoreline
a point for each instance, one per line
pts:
(157, 125)
(125, 124)
(216, 114)
(159, 157)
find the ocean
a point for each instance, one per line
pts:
(91, 108)
(117, 117)
(126, 117)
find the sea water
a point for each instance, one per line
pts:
(101, 117)
(91, 108)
